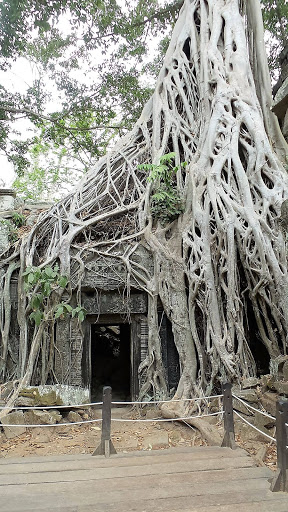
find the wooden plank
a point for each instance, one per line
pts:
(197, 464)
(117, 477)
(126, 460)
(85, 503)
(204, 451)
(106, 493)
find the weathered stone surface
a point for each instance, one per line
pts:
(111, 274)
(281, 387)
(250, 395)
(14, 418)
(43, 434)
(45, 396)
(74, 417)
(23, 401)
(153, 412)
(38, 417)
(159, 439)
(56, 415)
(115, 303)
(268, 400)
(251, 382)
(281, 100)
(267, 381)
(249, 433)
(285, 371)
(239, 407)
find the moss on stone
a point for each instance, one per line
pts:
(45, 399)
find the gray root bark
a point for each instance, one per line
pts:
(226, 253)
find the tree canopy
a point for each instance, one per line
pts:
(94, 61)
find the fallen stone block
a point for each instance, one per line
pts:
(13, 418)
(158, 440)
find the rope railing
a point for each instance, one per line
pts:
(30, 407)
(42, 425)
(254, 426)
(172, 400)
(167, 419)
(264, 413)
(106, 447)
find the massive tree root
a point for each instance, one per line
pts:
(224, 259)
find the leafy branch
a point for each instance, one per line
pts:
(166, 202)
(45, 287)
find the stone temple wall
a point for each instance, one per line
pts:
(280, 91)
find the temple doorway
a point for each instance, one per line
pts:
(110, 360)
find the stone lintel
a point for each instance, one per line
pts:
(114, 303)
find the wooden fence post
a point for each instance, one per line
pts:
(106, 446)
(280, 482)
(229, 436)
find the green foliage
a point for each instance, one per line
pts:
(11, 230)
(18, 219)
(43, 287)
(59, 37)
(275, 17)
(166, 202)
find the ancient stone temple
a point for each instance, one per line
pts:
(280, 90)
(110, 345)
(113, 340)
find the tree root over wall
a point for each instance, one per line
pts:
(226, 253)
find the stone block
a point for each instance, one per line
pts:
(74, 417)
(251, 382)
(267, 381)
(250, 395)
(13, 418)
(43, 434)
(281, 387)
(157, 440)
(239, 407)
(268, 400)
(285, 370)
(38, 417)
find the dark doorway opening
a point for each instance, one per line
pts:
(110, 360)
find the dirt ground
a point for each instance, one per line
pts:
(126, 436)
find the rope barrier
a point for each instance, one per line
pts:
(254, 408)
(168, 401)
(168, 419)
(52, 425)
(27, 408)
(255, 428)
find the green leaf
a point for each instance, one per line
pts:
(37, 301)
(59, 311)
(36, 316)
(167, 158)
(46, 288)
(30, 278)
(49, 272)
(63, 280)
(81, 316)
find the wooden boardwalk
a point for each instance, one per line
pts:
(184, 480)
